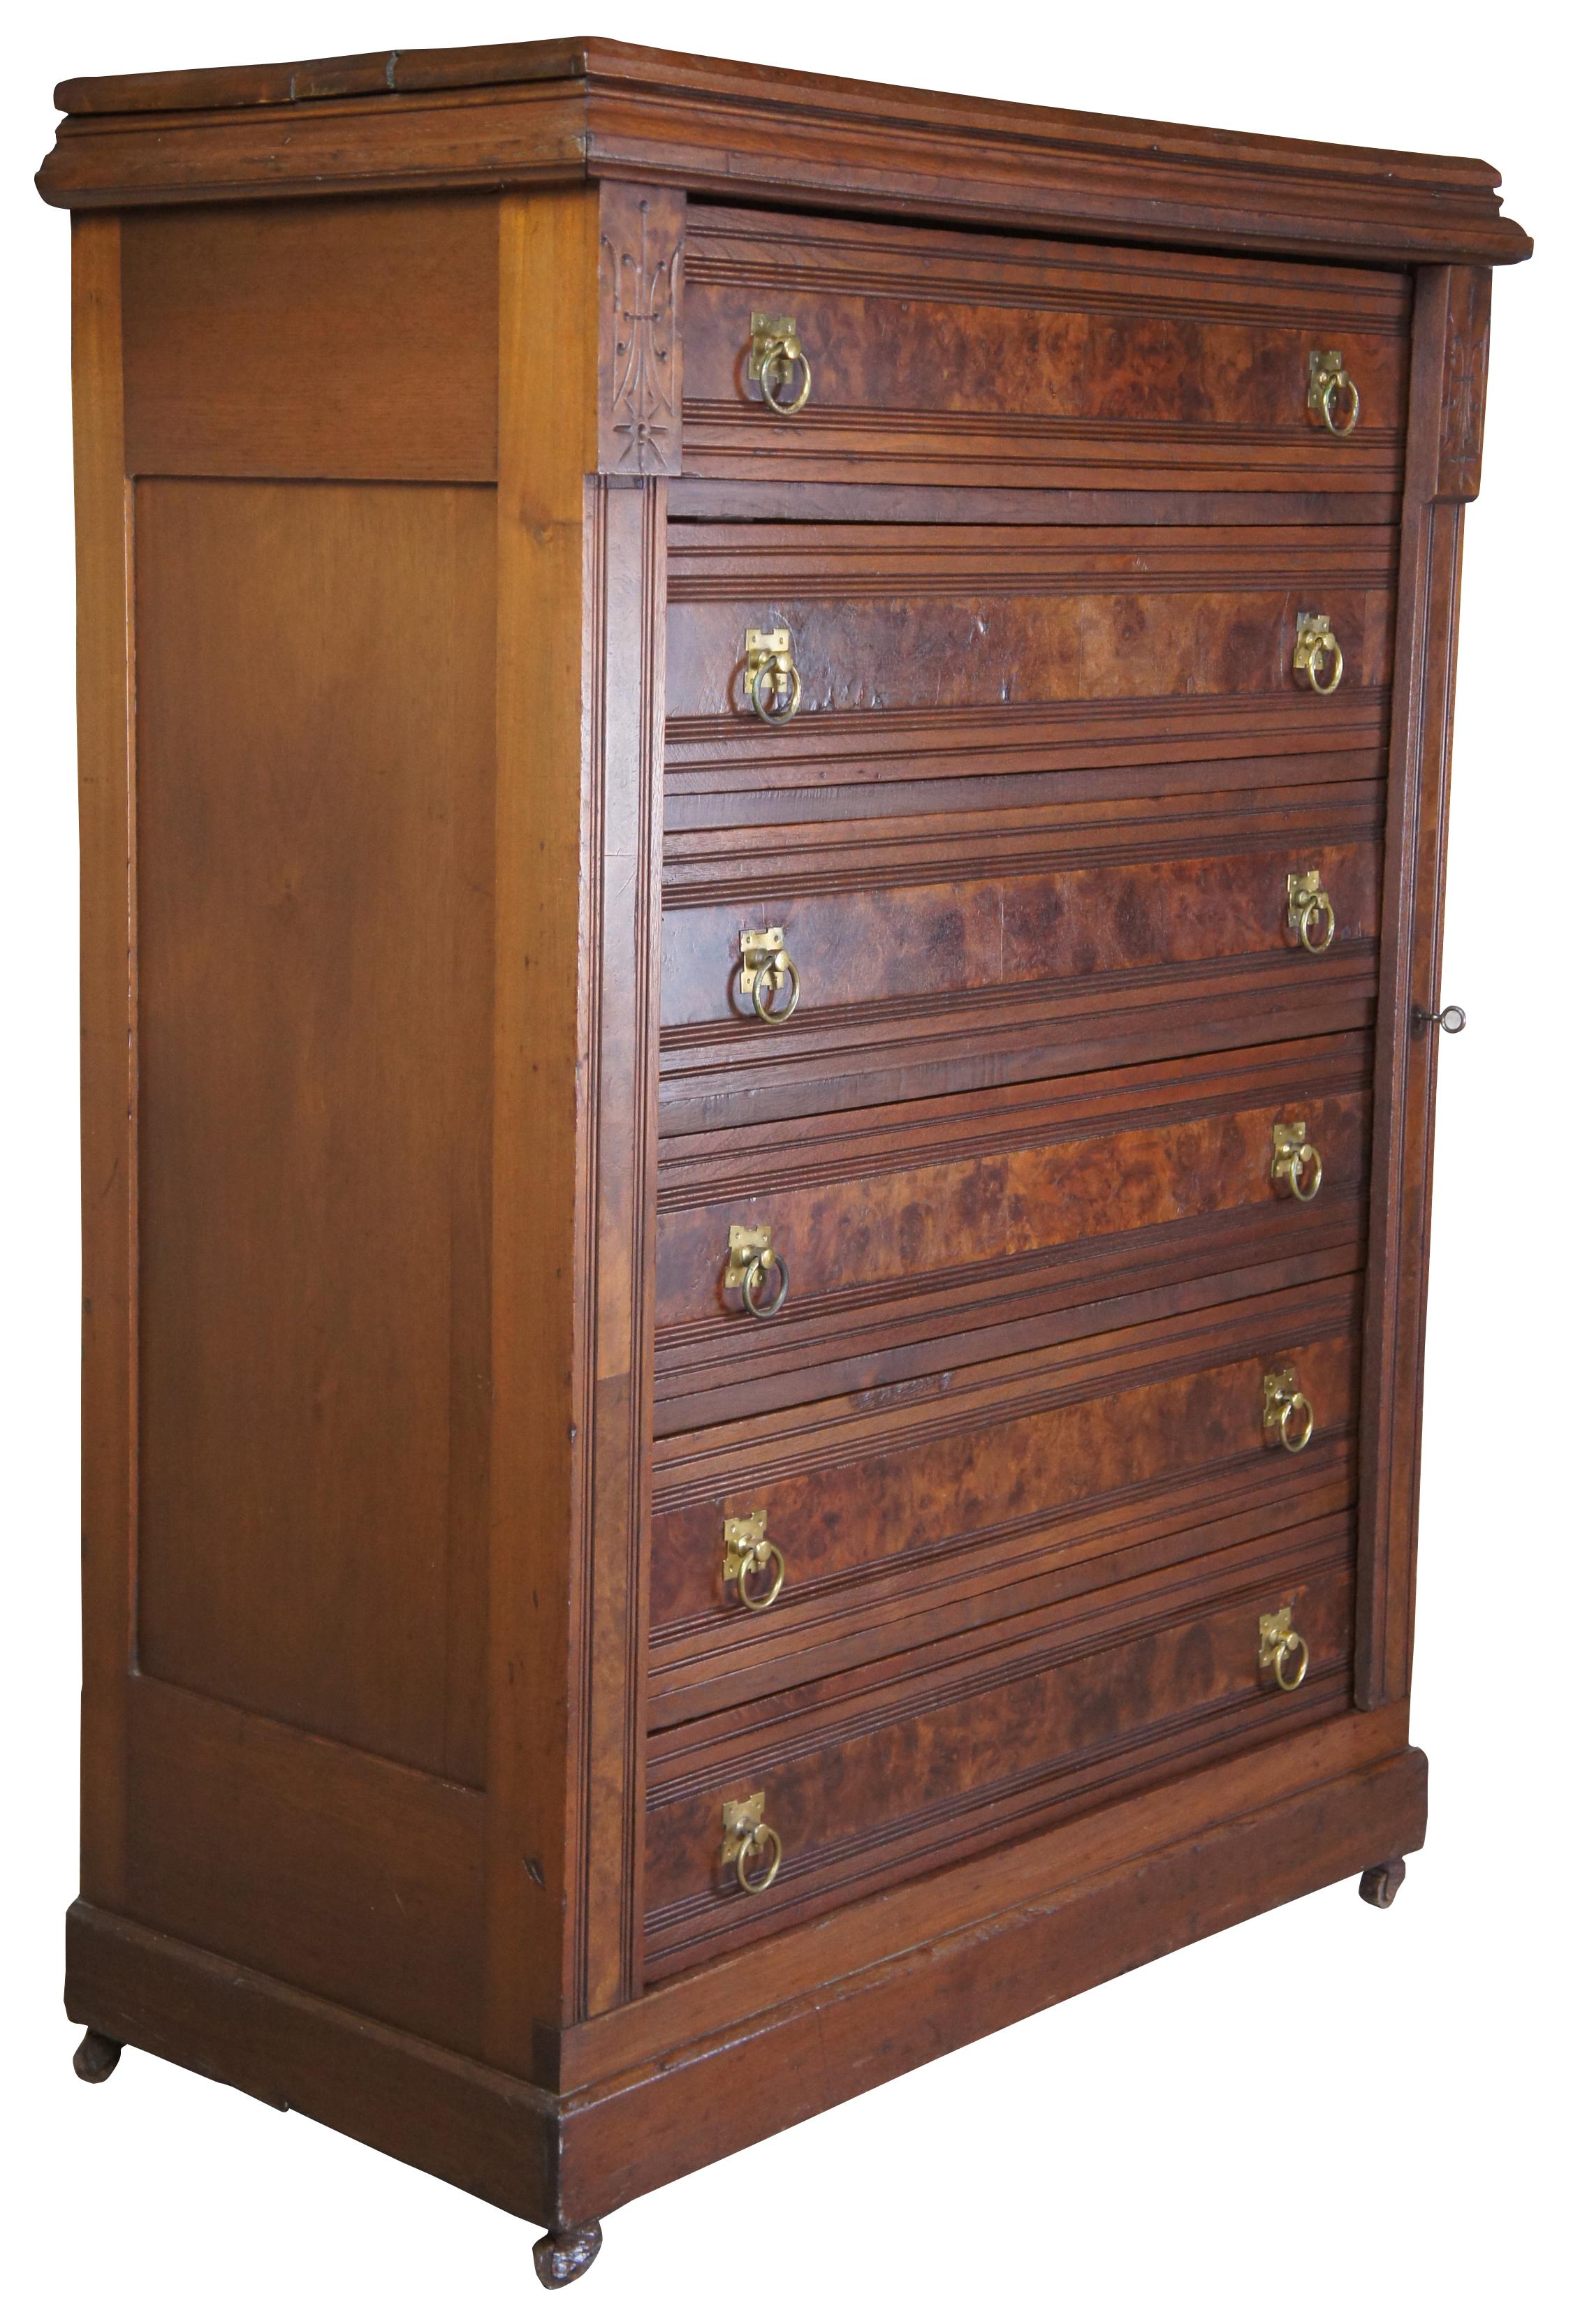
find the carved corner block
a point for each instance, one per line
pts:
(1464, 382)
(641, 232)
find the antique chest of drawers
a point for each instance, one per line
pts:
(756, 1210)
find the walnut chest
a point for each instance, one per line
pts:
(764, 772)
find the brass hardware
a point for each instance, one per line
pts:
(1314, 643)
(774, 683)
(766, 969)
(776, 350)
(751, 1261)
(1447, 1020)
(1308, 903)
(1296, 1166)
(1281, 1401)
(1278, 1644)
(1328, 382)
(748, 1551)
(744, 1834)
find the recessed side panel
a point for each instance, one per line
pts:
(315, 841)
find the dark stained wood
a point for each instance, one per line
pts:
(430, 507)
(96, 2057)
(945, 359)
(1449, 395)
(535, 110)
(346, 339)
(315, 812)
(106, 760)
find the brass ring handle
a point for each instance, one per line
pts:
(764, 1836)
(756, 1275)
(1322, 646)
(1305, 1174)
(764, 687)
(1298, 1402)
(1291, 1642)
(1319, 909)
(1333, 387)
(766, 1554)
(781, 354)
(779, 973)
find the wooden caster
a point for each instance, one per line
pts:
(560, 2257)
(1382, 1883)
(97, 2057)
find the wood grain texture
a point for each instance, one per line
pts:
(344, 339)
(106, 780)
(941, 359)
(315, 834)
(642, 238)
(739, 131)
(1448, 396)
(877, 1775)
(348, 1876)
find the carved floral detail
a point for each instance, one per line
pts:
(641, 375)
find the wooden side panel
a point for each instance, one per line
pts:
(316, 851)
(1448, 389)
(351, 1877)
(106, 745)
(336, 339)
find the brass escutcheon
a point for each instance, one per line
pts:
(1328, 383)
(775, 354)
(1286, 1413)
(1279, 1645)
(1297, 1165)
(774, 683)
(748, 1551)
(745, 1836)
(751, 1261)
(1309, 906)
(1315, 643)
(766, 971)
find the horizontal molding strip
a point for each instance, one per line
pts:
(693, 1173)
(898, 559)
(1224, 442)
(840, 1429)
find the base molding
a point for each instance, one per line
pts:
(558, 2161)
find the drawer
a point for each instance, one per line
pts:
(971, 1744)
(963, 1495)
(933, 650)
(955, 952)
(948, 1228)
(938, 358)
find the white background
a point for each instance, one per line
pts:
(1331, 2110)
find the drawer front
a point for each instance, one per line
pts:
(925, 1232)
(955, 1498)
(969, 1744)
(960, 952)
(941, 359)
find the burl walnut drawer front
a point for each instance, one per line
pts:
(947, 1228)
(836, 1788)
(900, 355)
(875, 1519)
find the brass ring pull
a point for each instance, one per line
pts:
(774, 683)
(748, 1552)
(756, 1275)
(1310, 908)
(775, 356)
(747, 1835)
(1294, 1644)
(1281, 1652)
(1286, 1412)
(1296, 1164)
(767, 969)
(762, 1837)
(1297, 1403)
(1329, 381)
(1315, 644)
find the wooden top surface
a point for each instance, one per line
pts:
(541, 110)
